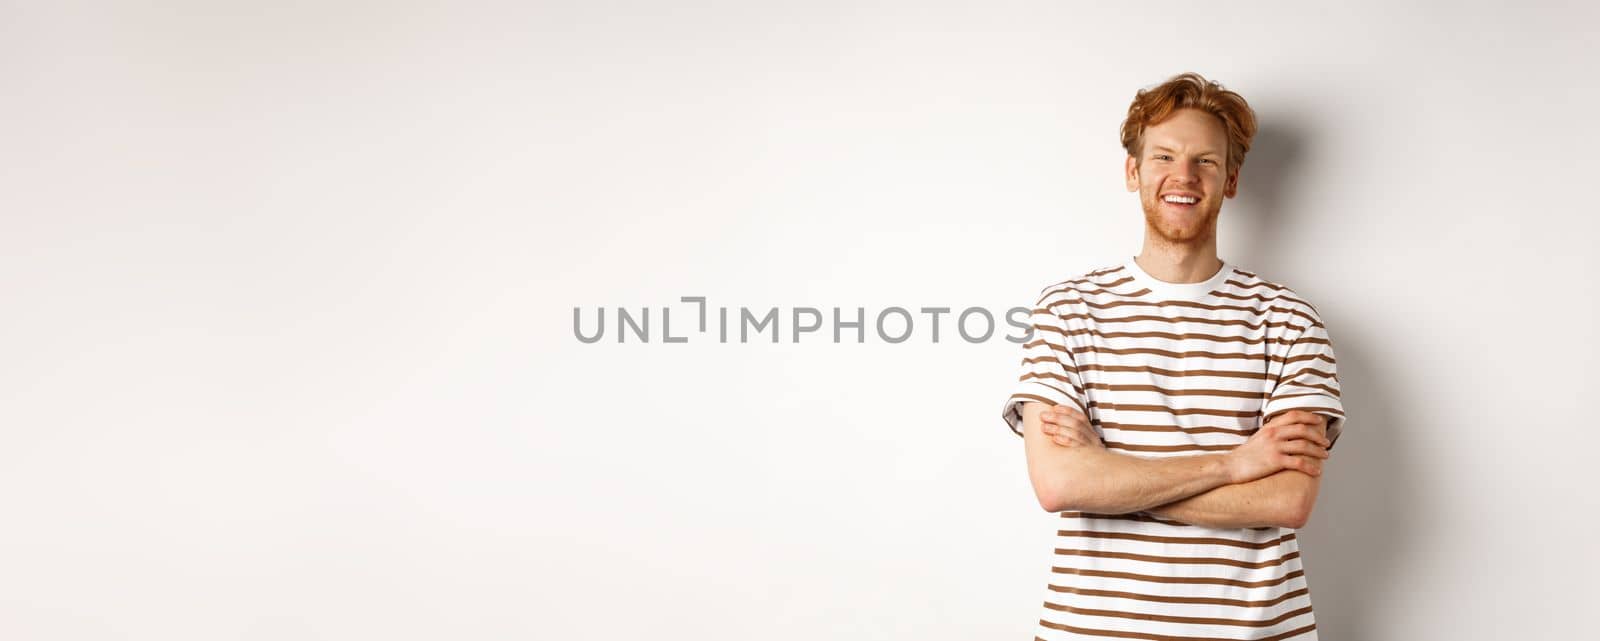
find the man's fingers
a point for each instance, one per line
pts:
(1063, 437)
(1301, 430)
(1065, 425)
(1307, 465)
(1302, 446)
(1060, 414)
(1068, 434)
(1312, 466)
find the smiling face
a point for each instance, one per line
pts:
(1181, 176)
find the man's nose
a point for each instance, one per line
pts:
(1183, 172)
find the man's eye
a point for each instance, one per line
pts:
(1207, 161)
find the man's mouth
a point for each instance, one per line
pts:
(1181, 201)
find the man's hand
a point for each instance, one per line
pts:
(1293, 440)
(1068, 427)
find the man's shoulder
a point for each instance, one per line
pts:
(1073, 288)
(1249, 286)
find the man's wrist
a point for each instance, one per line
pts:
(1226, 464)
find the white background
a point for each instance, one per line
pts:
(288, 293)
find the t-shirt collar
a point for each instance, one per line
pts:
(1184, 291)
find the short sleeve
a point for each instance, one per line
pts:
(1309, 379)
(1048, 373)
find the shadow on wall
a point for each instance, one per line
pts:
(1360, 532)
(1266, 186)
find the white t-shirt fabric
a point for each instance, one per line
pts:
(1174, 369)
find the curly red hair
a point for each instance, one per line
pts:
(1191, 91)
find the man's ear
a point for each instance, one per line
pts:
(1130, 173)
(1231, 187)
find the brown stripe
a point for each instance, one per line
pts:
(1135, 427)
(1289, 328)
(1085, 290)
(1332, 391)
(1132, 516)
(1110, 387)
(1084, 279)
(1096, 367)
(1284, 396)
(1189, 580)
(1283, 292)
(1310, 370)
(1187, 353)
(1049, 375)
(1159, 352)
(1081, 394)
(1310, 357)
(1179, 337)
(1117, 268)
(1136, 447)
(1165, 637)
(1053, 376)
(1187, 540)
(1196, 600)
(1313, 320)
(1169, 353)
(1050, 357)
(1335, 394)
(1167, 618)
(1041, 399)
(1265, 299)
(1081, 287)
(1196, 560)
(1275, 287)
(1312, 409)
(1031, 397)
(1205, 411)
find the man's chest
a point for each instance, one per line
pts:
(1176, 381)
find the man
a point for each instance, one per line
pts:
(1176, 409)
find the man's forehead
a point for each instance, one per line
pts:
(1195, 147)
(1190, 120)
(1185, 138)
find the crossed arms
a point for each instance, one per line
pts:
(1270, 480)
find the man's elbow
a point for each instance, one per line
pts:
(1296, 507)
(1054, 489)
(1050, 498)
(1295, 518)
(1064, 490)
(1047, 502)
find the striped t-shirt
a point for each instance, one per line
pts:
(1174, 369)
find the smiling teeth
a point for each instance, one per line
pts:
(1189, 200)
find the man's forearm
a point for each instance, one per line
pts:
(1106, 482)
(1276, 500)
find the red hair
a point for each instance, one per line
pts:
(1191, 91)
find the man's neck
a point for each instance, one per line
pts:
(1179, 264)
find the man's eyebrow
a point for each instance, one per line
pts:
(1207, 152)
